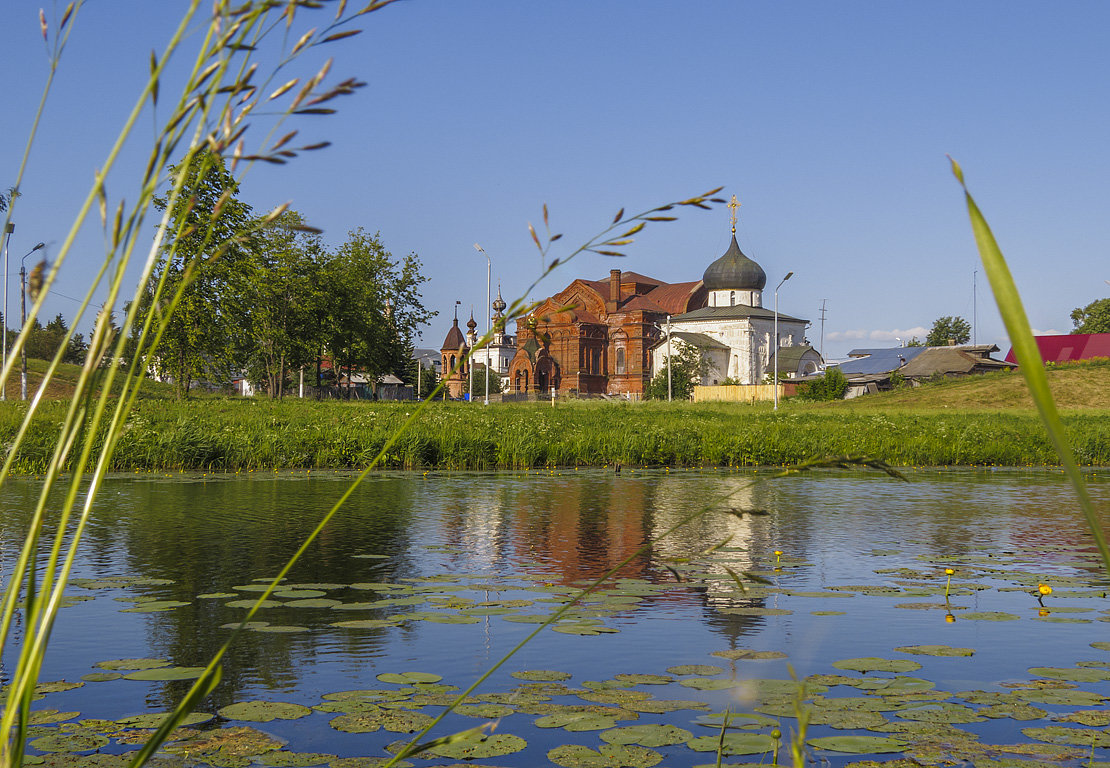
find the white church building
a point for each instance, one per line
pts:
(734, 332)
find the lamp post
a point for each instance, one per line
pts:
(489, 320)
(23, 320)
(788, 276)
(8, 229)
(668, 358)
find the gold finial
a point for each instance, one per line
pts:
(733, 204)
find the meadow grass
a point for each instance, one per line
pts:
(236, 435)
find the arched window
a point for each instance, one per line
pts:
(732, 298)
(620, 360)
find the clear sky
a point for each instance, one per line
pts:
(829, 121)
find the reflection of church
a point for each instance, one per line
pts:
(600, 336)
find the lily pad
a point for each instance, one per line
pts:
(166, 673)
(1079, 675)
(988, 616)
(733, 743)
(486, 711)
(264, 711)
(749, 655)
(154, 719)
(576, 721)
(101, 677)
(858, 745)
(642, 679)
(875, 664)
(283, 759)
(226, 746)
(541, 675)
(1097, 718)
(647, 735)
(481, 746)
(606, 756)
(935, 650)
(701, 670)
(1059, 734)
(408, 678)
(69, 742)
(737, 720)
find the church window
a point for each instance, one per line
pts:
(596, 367)
(732, 298)
(620, 360)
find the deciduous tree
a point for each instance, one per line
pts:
(1093, 318)
(948, 327)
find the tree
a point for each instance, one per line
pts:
(1093, 318)
(277, 295)
(687, 369)
(43, 342)
(428, 379)
(208, 230)
(477, 381)
(832, 386)
(948, 327)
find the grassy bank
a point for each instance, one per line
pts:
(985, 420)
(230, 435)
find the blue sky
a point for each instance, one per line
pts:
(829, 121)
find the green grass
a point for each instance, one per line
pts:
(230, 435)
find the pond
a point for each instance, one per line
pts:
(426, 580)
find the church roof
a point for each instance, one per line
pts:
(735, 312)
(454, 338)
(699, 340)
(791, 357)
(674, 298)
(734, 271)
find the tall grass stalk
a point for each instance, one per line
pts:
(1029, 357)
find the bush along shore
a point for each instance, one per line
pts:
(236, 435)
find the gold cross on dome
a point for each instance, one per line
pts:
(733, 204)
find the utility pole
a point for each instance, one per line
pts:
(823, 329)
(668, 358)
(974, 307)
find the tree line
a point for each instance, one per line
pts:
(265, 297)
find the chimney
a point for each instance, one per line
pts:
(614, 290)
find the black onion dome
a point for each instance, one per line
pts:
(734, 271)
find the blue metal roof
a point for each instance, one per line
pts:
(879, 360)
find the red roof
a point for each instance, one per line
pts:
(1069, 347)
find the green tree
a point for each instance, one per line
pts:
(43, 342)
(948, 327)
(276, 294)
(427, 379)
(208, 233)
(687, 369)
(1093, 318)
(477, 381)
(832, 386)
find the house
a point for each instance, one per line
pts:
(875, 370)
(1069, 347)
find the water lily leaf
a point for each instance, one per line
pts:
(875, 664)
(896, 685)
(858, 745)
(576, 721)
(264, 711)
(445, 618)
(154, 719)
(1016, 711)
(733, 743)
(358, 722)
(702, 670)
(738, 720)
(749, 655)
(216, 595)
(751, 610)
(369, 762)
(606, 756)
(1059, 734)
(646, 735)
(828, 613)
(936, 650)
(371, 557)
(583, 629)
(709, 683)
(155, 606)
(400, 721)
(643, 679)
(253, 587)
(1066, 698)
(366, 623)
(943, 712)
(48, 716)
(69, 742)
(226, 746)
(1097, 718)
(541, 675)
(988, 616)
(408, 678)
(1079, 675)
(283, 759)
(166, 673)
(1101, 645)
(298, 594)
(133, 664)
(486, 711)
(279, 628)
(661, 706)
(251, 603)
(312, 602)
(481, 746)
(614, 696)
(101, 677)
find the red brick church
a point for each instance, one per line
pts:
(594, 336)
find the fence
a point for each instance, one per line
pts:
(739, 393)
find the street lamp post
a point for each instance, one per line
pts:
(8, 229)
(788, 276)
(489, 319)
(23, 320)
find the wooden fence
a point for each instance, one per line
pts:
(738, 393)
